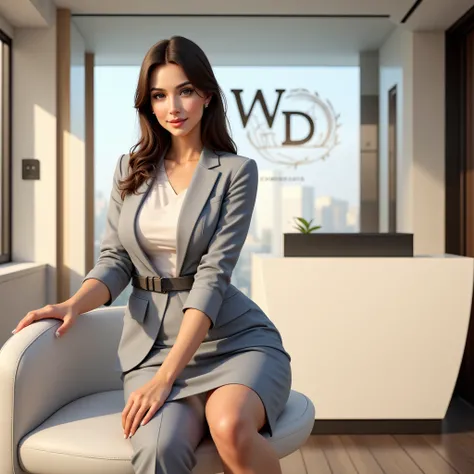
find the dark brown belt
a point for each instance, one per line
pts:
(162, 284)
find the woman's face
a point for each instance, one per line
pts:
(177, 104)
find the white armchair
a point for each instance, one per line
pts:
(61, 402)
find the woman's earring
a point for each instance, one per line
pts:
(206, 106)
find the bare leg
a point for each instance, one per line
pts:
(235, 414)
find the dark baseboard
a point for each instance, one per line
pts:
(340, 427)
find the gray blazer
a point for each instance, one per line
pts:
(212, 227)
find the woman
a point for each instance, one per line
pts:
(195, 352)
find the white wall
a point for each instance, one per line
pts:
(429, 141)
(369, 72)
(394, 61)
(6, 27)
(414, 62)
(76, 159)
(22, 289)
(24, 286)
(34, 136)
(34, 202)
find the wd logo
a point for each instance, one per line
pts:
(316, 122)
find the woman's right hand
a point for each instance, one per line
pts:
(62, 311)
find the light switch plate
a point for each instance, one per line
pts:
(30, 168)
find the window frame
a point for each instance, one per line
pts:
(6, 151)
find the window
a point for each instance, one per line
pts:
(301, 125)
(5, 148)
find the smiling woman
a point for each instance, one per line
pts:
(196, 353)
(171, 100)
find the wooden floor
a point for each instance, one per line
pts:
(450, 452)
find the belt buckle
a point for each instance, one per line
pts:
(153, 284)
(156, 284)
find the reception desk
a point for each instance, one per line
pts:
(370, 338)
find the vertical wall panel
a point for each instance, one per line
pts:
(89, 168)
(63, 127)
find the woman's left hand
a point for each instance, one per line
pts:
(143, 404)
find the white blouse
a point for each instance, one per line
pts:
(157, 224)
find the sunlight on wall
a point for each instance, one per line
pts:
(44, 190)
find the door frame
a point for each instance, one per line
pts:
(459, 167)
(392, 157)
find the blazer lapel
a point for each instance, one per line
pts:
(202, 183)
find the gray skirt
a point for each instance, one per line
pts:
(247, 351)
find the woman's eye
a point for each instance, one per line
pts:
(185, 92)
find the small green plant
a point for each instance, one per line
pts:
(304, 226)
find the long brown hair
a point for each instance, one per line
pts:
(154, 139)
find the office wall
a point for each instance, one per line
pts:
(6, 27)
(394, 64)
(34, 212)
(21, 290)
(23, 287)
(429, 141)
(34, 136)
(414, 63)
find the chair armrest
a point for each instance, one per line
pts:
(40, 373)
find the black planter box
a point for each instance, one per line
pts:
(319, 244)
